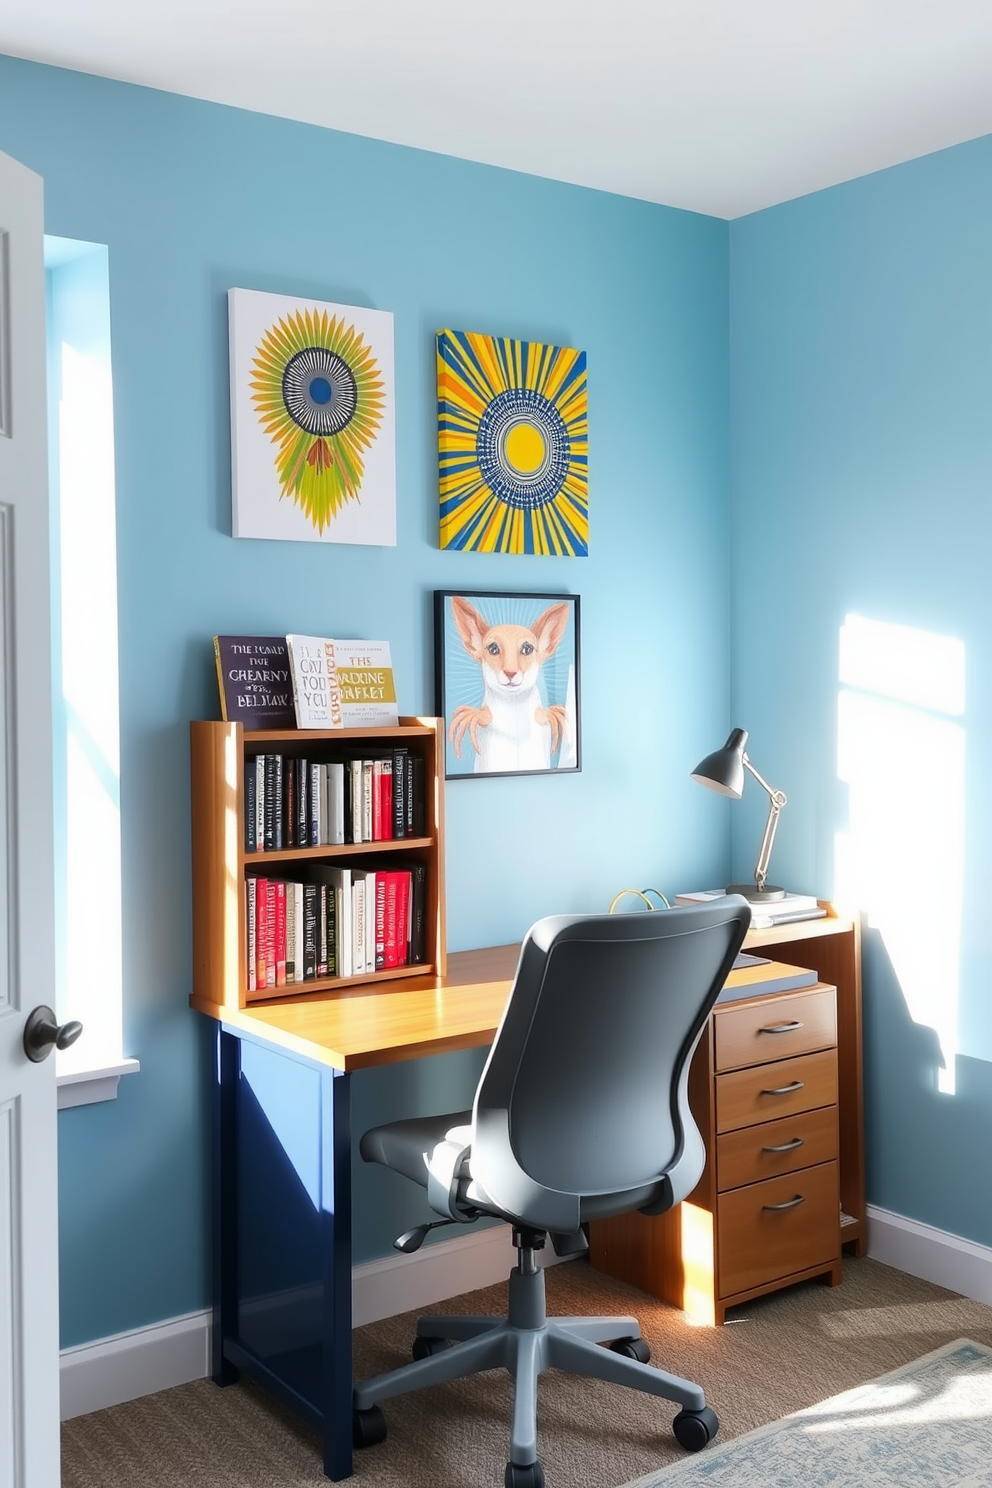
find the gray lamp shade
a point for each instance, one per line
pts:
(723, 770)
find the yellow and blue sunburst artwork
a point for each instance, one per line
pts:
(513, 446)
(312, 435)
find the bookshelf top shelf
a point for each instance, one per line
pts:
(407, 728)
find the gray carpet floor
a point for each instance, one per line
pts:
(773, 1356)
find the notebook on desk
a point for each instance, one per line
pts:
(755, 976)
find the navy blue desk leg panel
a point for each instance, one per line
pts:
(336, 1215)
(225, 1227)
(282, 1240)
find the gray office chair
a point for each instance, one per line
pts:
(581, 1112)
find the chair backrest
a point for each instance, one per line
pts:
(582, 1108)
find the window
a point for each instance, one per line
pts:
(85, 680)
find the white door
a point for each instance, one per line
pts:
(29, 1360)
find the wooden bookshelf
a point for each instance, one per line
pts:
(221, 864)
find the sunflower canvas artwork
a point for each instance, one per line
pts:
(312, 420)
(513, 446)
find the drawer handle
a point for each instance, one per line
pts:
(781, 1027)
(787, 1146)
(789, 1203)
(784, 1089)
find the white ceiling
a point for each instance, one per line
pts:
(719, 106)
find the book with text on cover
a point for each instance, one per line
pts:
(254, 680)
(316, 692)
(342, 684)
(368, 692)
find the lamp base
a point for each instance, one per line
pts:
(767, 895)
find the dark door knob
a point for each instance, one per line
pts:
(42, 1034)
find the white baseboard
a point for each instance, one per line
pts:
(112, 1370)
(400, 1283)
(95, 1375)
(933, 1255)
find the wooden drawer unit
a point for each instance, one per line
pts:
(765, 1088)
(767, 1091)
(771, 1231)
(753, 1153)
(756, 1033)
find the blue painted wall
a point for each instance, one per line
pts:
(192, 198)
(861, 439)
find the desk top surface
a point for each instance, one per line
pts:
(384, 1024)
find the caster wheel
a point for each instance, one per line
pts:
(423, 1348)
(531, 1476)
(694, 1429)
(632, 1348)
(368, 1427)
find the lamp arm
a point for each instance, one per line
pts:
(776, 800)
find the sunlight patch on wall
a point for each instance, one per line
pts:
(901, 860)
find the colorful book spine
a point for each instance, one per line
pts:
(280, 932)
(330, 903)
(396, 915)
(377, 800)
(261, 934)
(380, 920)
(270, 933)
(356, 800)
(289, 800)
(290, 901)
(251, 895)
(401, 760)
(314, 804)
(251, 837)
(385, 800)
(311, 900)
(321, 910)
(302, 833)
(367, 795)
(259, 802)
(335, 803)
(358, 924)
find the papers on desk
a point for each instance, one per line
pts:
(773, 912)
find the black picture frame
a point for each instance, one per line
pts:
(533, 725)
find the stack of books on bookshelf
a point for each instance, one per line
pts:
(782, 911)
(334, 922)
(307, 682)
(295, 802)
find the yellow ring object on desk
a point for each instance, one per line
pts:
(641, 894)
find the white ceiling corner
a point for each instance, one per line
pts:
(710, 105)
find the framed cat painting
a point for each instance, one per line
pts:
(506, 669)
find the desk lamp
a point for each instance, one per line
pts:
(723, 771)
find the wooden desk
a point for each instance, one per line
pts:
(282, 1152)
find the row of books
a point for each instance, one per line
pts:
(295, 802)
(337, 922)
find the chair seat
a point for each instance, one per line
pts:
(405, 1146)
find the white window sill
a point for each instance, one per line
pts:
(80, 1085)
